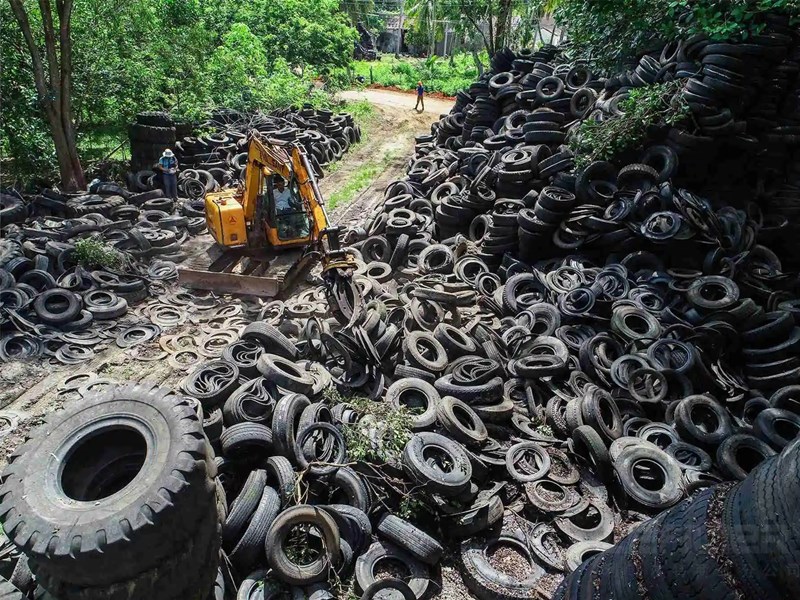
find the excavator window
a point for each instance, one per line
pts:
(288, 212)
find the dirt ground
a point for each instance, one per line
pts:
(391, 136)
(30, 390)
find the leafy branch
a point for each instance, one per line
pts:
(659, 105)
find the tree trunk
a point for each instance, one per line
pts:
(486, 43)
(54, 86)
(478, 63)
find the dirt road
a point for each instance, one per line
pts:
(390, 142)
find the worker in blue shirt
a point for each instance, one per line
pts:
(420, 97)
(168, 165)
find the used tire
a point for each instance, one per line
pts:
(111, 469)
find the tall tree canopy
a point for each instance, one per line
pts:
(126, 56)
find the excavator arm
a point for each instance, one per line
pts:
(240, 220)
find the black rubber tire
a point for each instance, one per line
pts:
(389, 583)
(245, 554)
(9, 592)
(414, 394)
(22, 577)
(777, 427)
(353, 487)
(729, 455)
(588, 444)
(283, 373)
(212, 425)
(410, 538)
(274, 341)
(490, 583)
(243, 507)
(282, 477)
(448, 484)
(284, 419)
(12, 209)
(687, 411)
(366, 565)
(246, 439)
(469, 430)
(188, 572)
(212, 383)
(290, 572)
(631, 458)
(416, 339)
(69, 306)
(174, 444)
(689, 571)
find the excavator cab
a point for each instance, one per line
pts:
(287, 217)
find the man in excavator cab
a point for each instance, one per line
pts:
(290, 216)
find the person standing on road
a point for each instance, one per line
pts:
(168, 165)
(420, 97)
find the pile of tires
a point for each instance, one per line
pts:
(209, 162)
(54, 304)
(115, 497)
(151, 134)
(728, 541)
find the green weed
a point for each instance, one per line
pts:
(359, 181)
(382, 431)
(93, 252)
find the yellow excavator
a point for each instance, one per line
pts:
(271, 228)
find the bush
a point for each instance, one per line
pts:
(435, 72)
(93, 252)
(659, 105)
(609, 33)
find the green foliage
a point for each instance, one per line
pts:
(93, 252)
(381, 433)
(184, 56)
(362, 110)
(612, 31)
(435, 73)
(659, 104)
(409, 508)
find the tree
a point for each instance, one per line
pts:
(54, 83)
(489, 19)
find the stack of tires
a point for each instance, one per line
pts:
(150, 135)
(730, 541)
(114, 498)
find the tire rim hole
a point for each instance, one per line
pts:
(303, 545)
(414, 400)
(637, 324)
(748, 458)
(649, 475)
(387, 567)
(786, 429)
(103, 464)
(509, 559)
(438, 459)
(590, 518)
(705, 419)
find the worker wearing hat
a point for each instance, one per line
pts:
(420, 97)
(168, 165)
